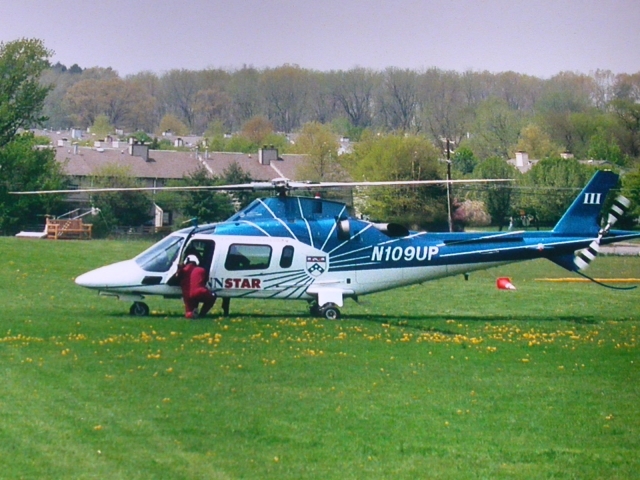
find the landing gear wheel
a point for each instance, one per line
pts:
(139, 309)
(330, 311)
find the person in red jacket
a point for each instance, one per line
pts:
(193, 281)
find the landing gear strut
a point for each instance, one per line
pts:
(139, 309)
(226, 301)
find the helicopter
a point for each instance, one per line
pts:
(304, 248)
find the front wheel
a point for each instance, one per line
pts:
(139, 309)
(330, 311)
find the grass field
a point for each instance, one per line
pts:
(449, 379)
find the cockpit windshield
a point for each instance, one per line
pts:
(160, 257)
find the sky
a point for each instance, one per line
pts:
(534, 37)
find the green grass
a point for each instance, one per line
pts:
(450, 379)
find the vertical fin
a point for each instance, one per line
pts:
(583, 216)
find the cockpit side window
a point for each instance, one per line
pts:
(160, 257)
(287, 257)
(248, 257)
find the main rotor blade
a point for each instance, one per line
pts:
(278, 184)
(390, 183)
(245, 186)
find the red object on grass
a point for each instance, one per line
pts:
(504, 283)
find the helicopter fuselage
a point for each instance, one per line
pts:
(311, 249)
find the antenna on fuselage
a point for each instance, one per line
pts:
(192, 221)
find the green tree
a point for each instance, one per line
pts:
(235, 175)
(631, 190)
(21, 94)
(603, 148)
(551, 185)
(628, 115)
(238, 143)
(536, 143)
(495, 129)
(205, 205)
(24, 167)
(130, 209)
(498, 198)
(343, 127)
(171, 123)
(257, 129)
(142, 137)
(320, 145)
(396, 157)
(463, 160)
(101, 126)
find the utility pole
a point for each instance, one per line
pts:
(449, 185)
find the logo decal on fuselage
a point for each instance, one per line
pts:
(238, 283)
(316, 266)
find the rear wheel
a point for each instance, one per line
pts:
(139, 309)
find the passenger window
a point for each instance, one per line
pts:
(287, 257)
(248, 257)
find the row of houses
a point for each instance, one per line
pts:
(156, 168)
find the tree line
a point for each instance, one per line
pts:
(593, 115)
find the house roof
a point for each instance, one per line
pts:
(167, 164)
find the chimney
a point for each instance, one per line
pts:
(139, 150)
(75, 148)
(267, 154)
(522, 159)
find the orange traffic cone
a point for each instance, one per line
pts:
(504, 283)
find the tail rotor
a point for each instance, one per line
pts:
(584, 257)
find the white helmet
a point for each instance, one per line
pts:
(191, 259)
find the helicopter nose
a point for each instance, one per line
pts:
(121, 274)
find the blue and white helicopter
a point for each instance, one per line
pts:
(304, 248)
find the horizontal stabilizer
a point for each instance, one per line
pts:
(565, 261)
